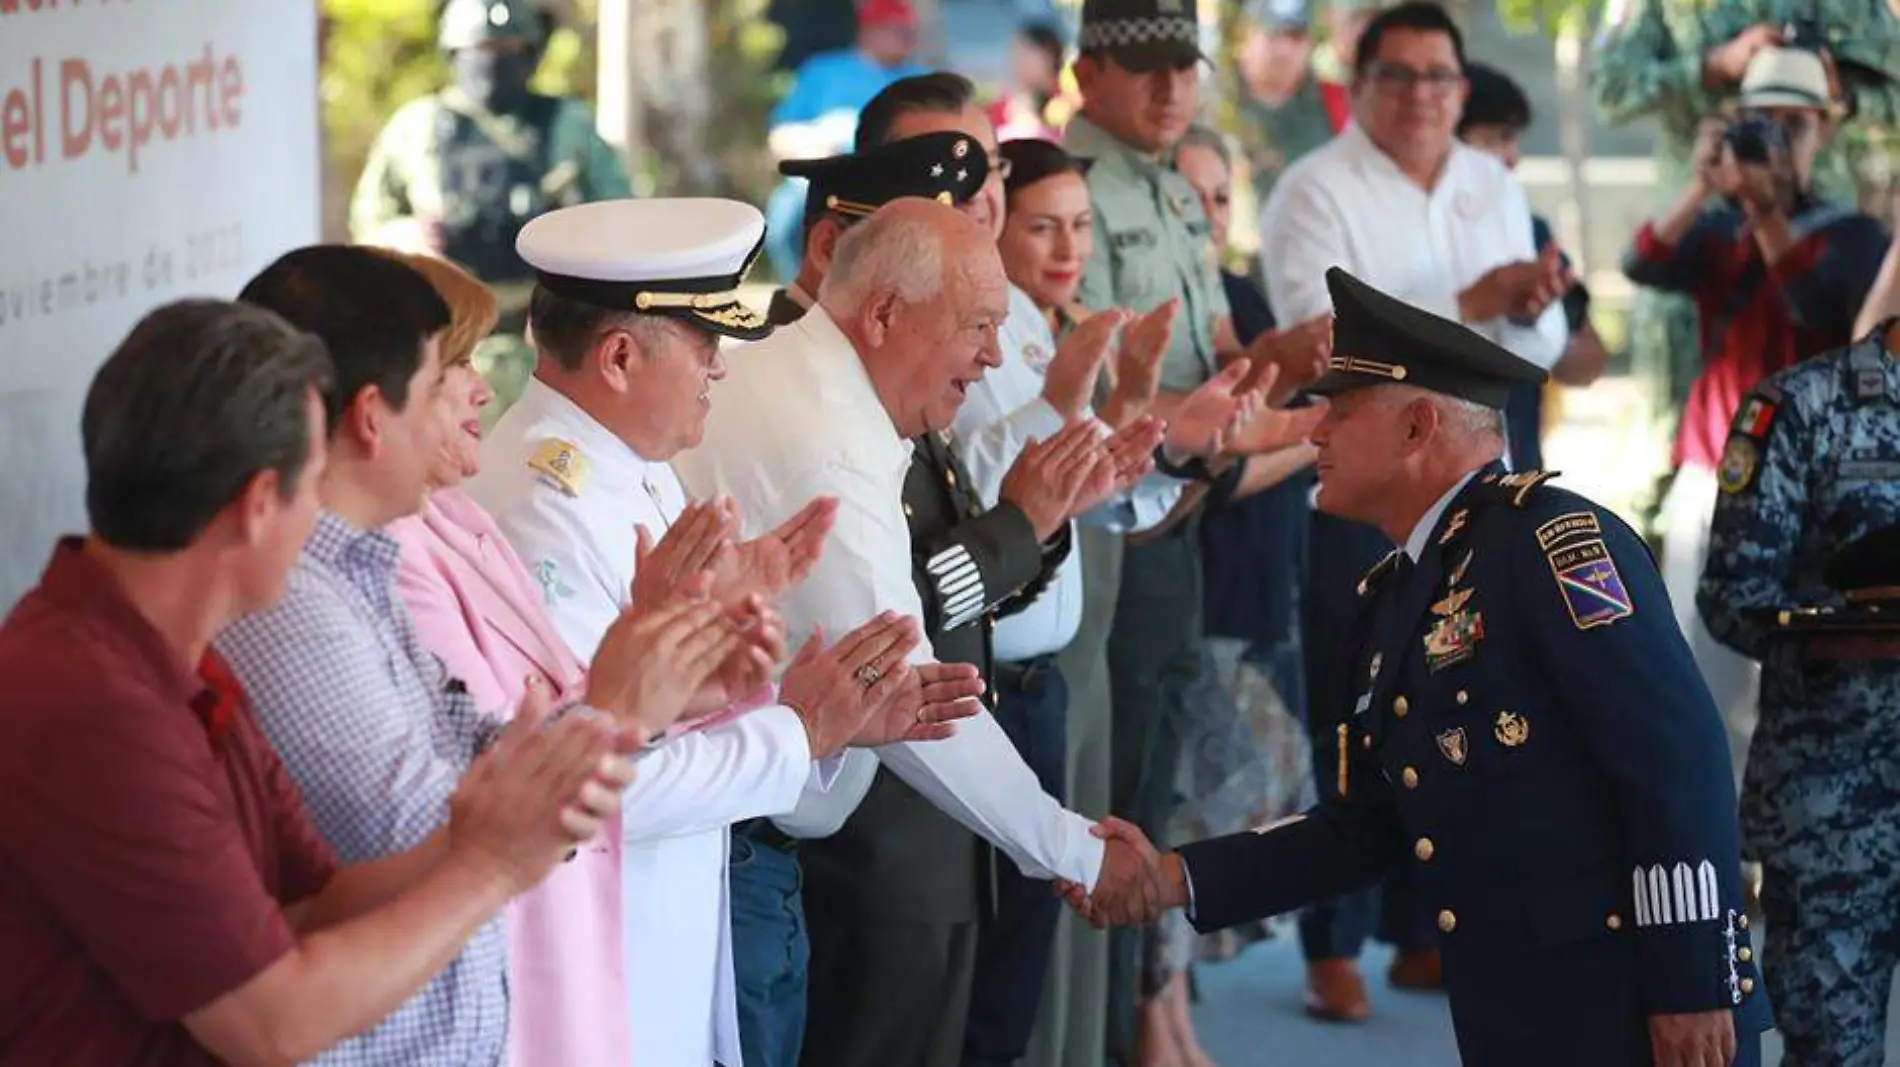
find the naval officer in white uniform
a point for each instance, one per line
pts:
(631, 300)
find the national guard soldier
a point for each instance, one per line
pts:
(1138, 71)
(1812, 463)
(1681, 61)
(1530, 732)
(459, 172)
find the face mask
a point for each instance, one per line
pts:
(497, 81)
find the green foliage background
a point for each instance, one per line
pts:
(381, 54)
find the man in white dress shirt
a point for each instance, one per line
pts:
(1397, 200)
(835, 401)
(572, 470)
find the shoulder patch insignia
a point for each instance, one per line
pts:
(1756, 416)
(561, 463)
(1592, 589)
(1521, 484)
(1741, 458)
(1564, 527)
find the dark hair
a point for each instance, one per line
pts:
(373, 313)
(939, 92)
(201, 397)
(1419, 16)
(1495, 100)
(1046, 39)
(1031, 160)
(566, 329)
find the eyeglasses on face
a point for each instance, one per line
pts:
(1396, 78)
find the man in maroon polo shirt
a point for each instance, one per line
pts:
(163, 897)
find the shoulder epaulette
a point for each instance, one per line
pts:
(1517, 487)
(1371, 579)
(561, 464)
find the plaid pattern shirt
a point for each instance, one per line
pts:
(376, 735)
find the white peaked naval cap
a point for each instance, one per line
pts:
(682, 257)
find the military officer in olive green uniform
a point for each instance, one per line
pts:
(1138, 69)
(459, 172)
(1681, 61)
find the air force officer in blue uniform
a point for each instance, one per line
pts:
(1528, 729)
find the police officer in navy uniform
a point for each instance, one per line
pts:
(1528, 730)
(946, 167)
(1812, 463)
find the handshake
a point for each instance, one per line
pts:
(1136, 884)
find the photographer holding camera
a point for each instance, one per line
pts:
(1777, 274)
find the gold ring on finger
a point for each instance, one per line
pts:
(868, 675)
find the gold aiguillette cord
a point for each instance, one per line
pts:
(1344, 733)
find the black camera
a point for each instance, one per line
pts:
(1755, 139)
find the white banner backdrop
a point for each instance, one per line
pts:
(149, 150)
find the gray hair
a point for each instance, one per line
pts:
(1198, 136)
(890, 250)
(1463, 419)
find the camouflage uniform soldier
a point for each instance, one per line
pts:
(1680, 61)
(1812, 463)
(1275, 122)
(459, 172)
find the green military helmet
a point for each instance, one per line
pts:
(471, 23)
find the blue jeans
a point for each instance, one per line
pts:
(770, 953)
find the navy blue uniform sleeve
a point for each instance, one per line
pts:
(1339, 846)
(1758, 518)
(1606, 640)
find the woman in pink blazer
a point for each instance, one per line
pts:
(476, 607)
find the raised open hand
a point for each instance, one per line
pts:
(1205, 417)
(925, 707)
(770, 565)
(1137, 365)
(534, 794)
(1049, 475)
(835, 690)
(656, 658)
(1131, 453)
(749, 667)
(1272, 429)
(1069, 381)
(698, 541)
(1300, 352)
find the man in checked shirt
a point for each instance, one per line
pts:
(373, 730)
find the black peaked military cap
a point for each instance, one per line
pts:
(1380, 340)
(946, 167)
(1143, 35)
